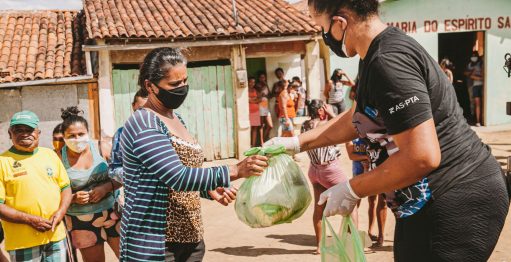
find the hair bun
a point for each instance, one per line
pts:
(70, 112)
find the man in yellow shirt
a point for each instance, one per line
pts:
(34, 195)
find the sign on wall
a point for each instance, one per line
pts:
(453, 24)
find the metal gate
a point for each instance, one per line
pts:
(208, 110)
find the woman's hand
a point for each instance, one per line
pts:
(81, 197)
(224, 196)
(250, 166)
(340, 200)
(329, 110)
(99, 192)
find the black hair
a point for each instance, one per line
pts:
(72, 115)
(139, 93)
(156, 65)
(335, 78)
(251, 78)
(279, 69)
(313, 106)
(296, 78)
(57, 129)
(362, 8)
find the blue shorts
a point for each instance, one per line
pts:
(286, 128)
(358, 168)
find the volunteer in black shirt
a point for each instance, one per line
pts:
(444, 186)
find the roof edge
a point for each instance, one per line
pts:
(62, 80)
(262, 40)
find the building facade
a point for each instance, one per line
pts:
(224, 45)
(453, 29)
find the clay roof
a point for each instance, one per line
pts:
(40, 45)
(192, 19)
(301, 6)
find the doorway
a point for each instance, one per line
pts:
(458, 48)
(255, 66)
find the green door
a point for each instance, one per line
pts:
(208, 110)
(125, 86)
(255, 65)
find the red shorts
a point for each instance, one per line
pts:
(327, 175)
(255, 119)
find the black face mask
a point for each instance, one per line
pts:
(172, 99)
(337, 46)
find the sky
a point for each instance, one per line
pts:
(40, 4)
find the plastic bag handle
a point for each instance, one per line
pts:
(337, 241)
(347, 223)
(271, 150)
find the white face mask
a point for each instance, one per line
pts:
(77, 145)
(473, 59)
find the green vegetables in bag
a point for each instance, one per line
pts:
(280, 195)
(345, 247)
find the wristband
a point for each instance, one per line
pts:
(352, 193)
(296, 144)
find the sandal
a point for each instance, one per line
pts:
(377, 245)
(373, 237)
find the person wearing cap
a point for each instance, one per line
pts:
(34, 195)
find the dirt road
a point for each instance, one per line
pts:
(228, 239)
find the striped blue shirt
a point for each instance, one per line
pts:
(151, 166)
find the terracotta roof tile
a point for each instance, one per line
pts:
(191, 19)
(40, 45)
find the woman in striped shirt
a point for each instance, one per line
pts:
(325, 169)
(151, 164)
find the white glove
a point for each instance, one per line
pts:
(292, 144)
(341, 200)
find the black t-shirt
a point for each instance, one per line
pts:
(401, 86)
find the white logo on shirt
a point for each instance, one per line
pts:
(406, 103)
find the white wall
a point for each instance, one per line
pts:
(498, 40)
(499, 91)
(290, 63)
(46, 102)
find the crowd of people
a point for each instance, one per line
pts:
(282, 103)
(290, 100)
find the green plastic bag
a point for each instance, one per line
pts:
(280, 195)
(345, 247)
